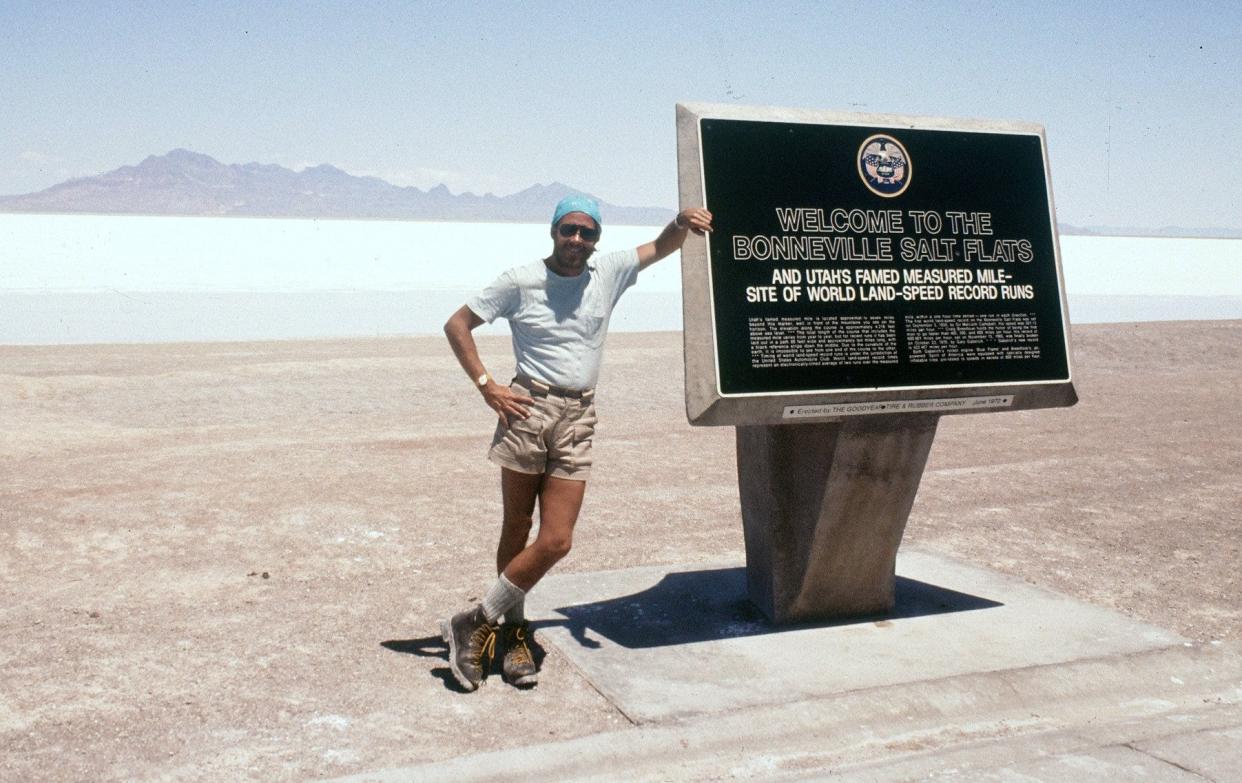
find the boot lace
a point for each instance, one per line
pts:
(483, 642)
(519, 653)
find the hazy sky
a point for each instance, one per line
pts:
(1140, 100)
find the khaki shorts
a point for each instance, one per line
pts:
(554, 440)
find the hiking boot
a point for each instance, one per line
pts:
(518, 664)
(471, 639)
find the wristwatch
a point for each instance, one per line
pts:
(481, 381)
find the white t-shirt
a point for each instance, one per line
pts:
(559, 323)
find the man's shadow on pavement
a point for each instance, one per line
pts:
(692, 606)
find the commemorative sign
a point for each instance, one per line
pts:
(865, 264)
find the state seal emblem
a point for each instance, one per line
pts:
(884, 165)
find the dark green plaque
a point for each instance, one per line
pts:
(853, 257)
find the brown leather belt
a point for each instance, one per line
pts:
(541, 389)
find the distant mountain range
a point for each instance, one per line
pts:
(189, 183)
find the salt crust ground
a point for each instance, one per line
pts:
(225, 561)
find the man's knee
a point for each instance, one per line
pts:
(555, 546)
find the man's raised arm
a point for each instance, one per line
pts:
(674, 235)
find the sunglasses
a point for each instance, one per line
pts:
(587, 233)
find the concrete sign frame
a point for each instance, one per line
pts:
(836, 404)
(709, 402)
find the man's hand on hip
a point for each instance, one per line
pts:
(508, 406)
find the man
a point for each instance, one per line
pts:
(558, 311)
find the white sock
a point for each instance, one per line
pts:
(502, 595)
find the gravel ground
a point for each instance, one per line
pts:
(226, 561)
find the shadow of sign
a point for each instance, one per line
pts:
(700, 606)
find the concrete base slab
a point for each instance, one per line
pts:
(1214, 754)
(973, 676)
(663, 642)
(1146, 715)
(1113, 764)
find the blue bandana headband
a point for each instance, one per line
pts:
(583, 204)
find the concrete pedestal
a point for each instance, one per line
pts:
(823, 510)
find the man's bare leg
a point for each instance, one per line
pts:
(558, 512)
(519, 492)
(471, 635)
(560, 500)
